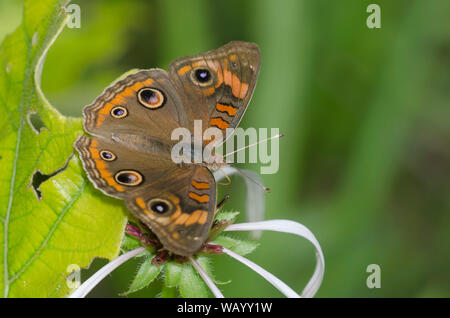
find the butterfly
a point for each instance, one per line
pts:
(128, 152)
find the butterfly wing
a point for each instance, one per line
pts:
(176, 203)
(217, 86)
(132, 122)
(122, 108)
(179, 209)
(107, 163)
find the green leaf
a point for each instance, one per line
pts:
(228, 216)
(168, 292)
(147, 272)
(173, 273)
(191, 285)
(206, 264)
(130, 242)
(241, 247)
(222, 221)
(186, 278)
(50, 214)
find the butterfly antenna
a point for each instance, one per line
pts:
(252, 180)
(226, 176)
(254, 144)
(248, 146)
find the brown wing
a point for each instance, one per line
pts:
(120, 170)
(216, 86)
(178, 208)
(145, 179)
(132, 122)
(122, 108)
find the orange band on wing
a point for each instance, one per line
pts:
(193, 217)
(184, 70)
(140, 201)
(230, 110)
(203, 218)
(219, 123)
(187, 219)
(100, 165)
(239, 89)
(209, 91)
(227, 77)
(119, 99)
(181, 219)
(106, 109)
(204, 198)
(200, 185)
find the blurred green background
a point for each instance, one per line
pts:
(365, 163)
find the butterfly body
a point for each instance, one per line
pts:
(129, 152)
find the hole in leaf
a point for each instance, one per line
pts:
(38, 178)
(36, 122)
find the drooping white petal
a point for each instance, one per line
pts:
(206, 278)
(292, 227)
(93, 281)
(278, 284)
(255, 200)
